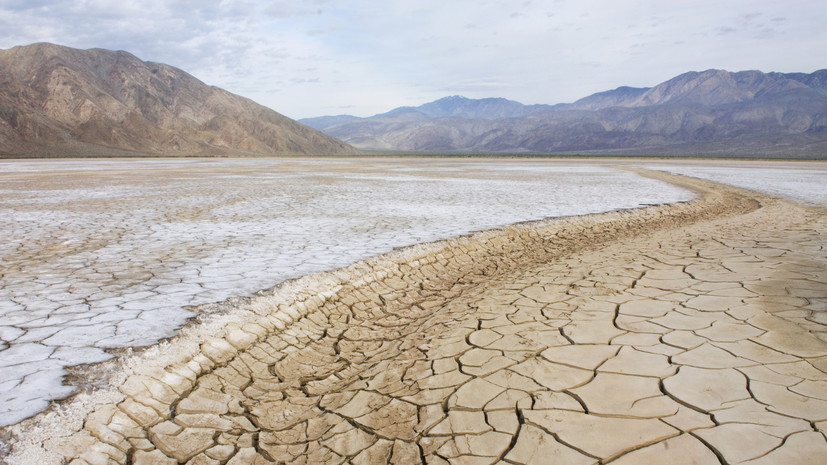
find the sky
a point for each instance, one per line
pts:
(362, 57)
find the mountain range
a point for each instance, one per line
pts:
(58, 101)
(713, 112)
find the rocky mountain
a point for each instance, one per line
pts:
(455, 106)
(714, 112)
(60, 101)
(487, 108)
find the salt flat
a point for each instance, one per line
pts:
(800, 182)
(683, 333)
(103, 255)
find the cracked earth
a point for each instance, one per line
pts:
(691, 333)
(100, 258)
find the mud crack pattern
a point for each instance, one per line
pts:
(683, 334)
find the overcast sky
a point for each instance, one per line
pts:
(362, 57)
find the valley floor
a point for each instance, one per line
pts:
(686, 333)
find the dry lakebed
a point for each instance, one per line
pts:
(413, 310)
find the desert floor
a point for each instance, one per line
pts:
(686, 333)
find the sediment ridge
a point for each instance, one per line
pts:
(692, 330)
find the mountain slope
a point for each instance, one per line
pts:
(716, 112)
(458, 106)
(59, 101)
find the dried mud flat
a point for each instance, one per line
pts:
(688, 333)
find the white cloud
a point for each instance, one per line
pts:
(289, 9)
(313, 57)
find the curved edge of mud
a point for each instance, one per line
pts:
(218, 337)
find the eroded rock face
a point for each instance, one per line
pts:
(628, 339)
(59, 101)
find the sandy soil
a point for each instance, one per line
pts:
(689, 333)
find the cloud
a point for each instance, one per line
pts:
(750, 17)
(284, 9)
(24, 5)
(311, 57)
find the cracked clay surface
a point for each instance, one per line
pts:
(99, 258)
(692, 333)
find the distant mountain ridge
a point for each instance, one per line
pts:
(458, 106)
(59, 101)
(455, 106)
(709, 112)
